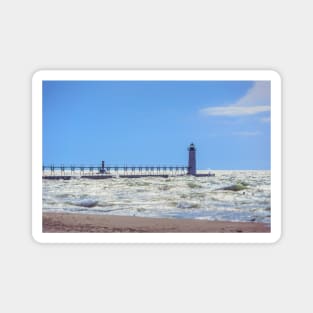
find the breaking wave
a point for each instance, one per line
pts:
(86, 203)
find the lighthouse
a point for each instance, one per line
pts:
(192, 160)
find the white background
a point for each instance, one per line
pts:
(155, 34)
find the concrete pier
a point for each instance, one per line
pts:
(106, 171)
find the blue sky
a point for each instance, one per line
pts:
(153, 122)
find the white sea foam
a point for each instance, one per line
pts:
(181, 196)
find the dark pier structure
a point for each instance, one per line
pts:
(108, 171)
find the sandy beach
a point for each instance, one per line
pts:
(87, 223)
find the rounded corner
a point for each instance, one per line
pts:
(37, 75)
(277, 237)
(37, 238)
(276, 75)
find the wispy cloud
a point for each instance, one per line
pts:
(235, 110)
(256, 100)
(247, 133)
(265, 119)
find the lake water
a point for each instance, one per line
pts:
(247, 199)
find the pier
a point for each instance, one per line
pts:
(110, 171)
(103, 171)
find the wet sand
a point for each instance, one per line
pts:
(87, 223)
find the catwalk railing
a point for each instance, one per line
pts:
(115, 170)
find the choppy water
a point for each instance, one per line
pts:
(178, 197)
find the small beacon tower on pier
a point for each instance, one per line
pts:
(192, 160)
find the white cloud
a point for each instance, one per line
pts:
(247, 133)
(234, 110)
(258, 94)
(265, 119)
(256, 100)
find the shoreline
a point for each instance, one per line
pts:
(90, 223)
